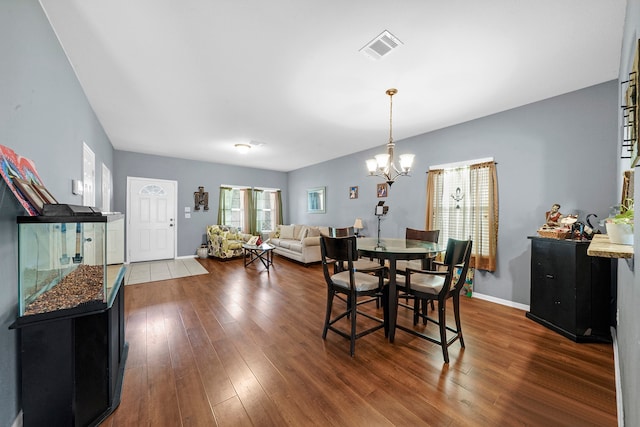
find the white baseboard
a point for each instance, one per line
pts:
(18, 421)
(501, 301)
(616, 362)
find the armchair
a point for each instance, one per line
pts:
(225, 242)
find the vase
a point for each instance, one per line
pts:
(202, 252)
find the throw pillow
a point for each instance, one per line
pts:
(313, 232)
(303, 233)
(286, 231)
(277, 233)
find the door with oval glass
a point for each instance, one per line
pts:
(152, 209)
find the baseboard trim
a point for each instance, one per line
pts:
(501, 301)
(616, 362)
(18, 422)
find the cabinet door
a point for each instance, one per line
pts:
(564, 272)
(543, 287)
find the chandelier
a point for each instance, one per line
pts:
(382, 165)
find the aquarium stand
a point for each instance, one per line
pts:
(72, 366)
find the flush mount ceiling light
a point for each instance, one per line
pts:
(382, 165)
(242, 148)
(381, 46)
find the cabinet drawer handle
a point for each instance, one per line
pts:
(550, 276)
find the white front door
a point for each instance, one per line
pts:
(151, 211)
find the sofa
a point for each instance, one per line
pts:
(225, 242)
(298, 242)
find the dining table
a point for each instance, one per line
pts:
(392, 250)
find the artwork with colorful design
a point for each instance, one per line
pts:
(13, 165)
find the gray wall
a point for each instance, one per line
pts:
(190, 175)
(560, 150)
(44, 116)
(628, 331)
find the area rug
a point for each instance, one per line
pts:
(152, 271)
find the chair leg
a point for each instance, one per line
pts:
(327, 317)
(353, 309)
(425, 308)
(416, 310)
(385, 311)
(380, 275)
(456, 313)
(443, 329)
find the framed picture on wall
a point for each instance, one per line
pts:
(29, 193)
(353, 192)
(382, 189)
(316, 200)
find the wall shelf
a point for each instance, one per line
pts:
(600, 246)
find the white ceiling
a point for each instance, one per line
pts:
(191, 78)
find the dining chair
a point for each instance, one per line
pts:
(439, 286)
(347, 284)
(418, 264)
(364, 265)
(361, 264)
(419, 235)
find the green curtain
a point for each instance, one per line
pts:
(252, 207)
(279, 218)
(222, 204)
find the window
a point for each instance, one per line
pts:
(462, 202)
(250, 210)
(265, 210)
(232, 207)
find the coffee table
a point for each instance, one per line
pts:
(263, 252)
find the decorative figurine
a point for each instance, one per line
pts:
(458, 197)
(553, 216)
(201, 197)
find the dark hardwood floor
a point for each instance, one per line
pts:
(243, 347)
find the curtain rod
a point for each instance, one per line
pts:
(460, 164)
(247, 187)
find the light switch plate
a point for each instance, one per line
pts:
(77, 187)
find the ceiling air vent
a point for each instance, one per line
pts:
(381, 46)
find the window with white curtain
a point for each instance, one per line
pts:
(462, 202)
(234, 207)
(265, 210)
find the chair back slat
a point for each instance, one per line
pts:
(423, 235)
(412, 234)
(338, 248)
(458, 252)
(341, 231)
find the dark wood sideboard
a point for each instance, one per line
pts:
(571, 292)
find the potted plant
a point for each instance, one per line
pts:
(620, 227)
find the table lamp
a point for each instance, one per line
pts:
(357, 226)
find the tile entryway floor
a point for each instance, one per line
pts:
(151, 271)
